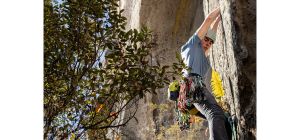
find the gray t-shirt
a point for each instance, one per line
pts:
(194, 57)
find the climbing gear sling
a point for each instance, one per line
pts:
(191, 91)
(187, 92)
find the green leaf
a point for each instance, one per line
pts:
(74, 32)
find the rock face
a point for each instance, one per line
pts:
(233, 56)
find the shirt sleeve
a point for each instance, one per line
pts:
(191, 48)
(193, 41)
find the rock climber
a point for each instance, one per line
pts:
(194, 54)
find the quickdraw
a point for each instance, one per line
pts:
(182, 119)
(183, 93)
(189, 93)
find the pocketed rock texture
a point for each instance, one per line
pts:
(233, 56)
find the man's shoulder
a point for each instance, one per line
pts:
(193, 41)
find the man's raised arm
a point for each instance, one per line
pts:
(216, 23)
(202, 30)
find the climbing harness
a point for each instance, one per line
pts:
(187, 92)
(191, 91)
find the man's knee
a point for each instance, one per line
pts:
(216, 112)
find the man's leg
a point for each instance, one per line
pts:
(199, 114)
(214, 115)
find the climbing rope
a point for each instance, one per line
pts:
(232, 122)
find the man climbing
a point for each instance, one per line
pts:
(194, 54)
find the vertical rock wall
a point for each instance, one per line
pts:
(233, 56)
